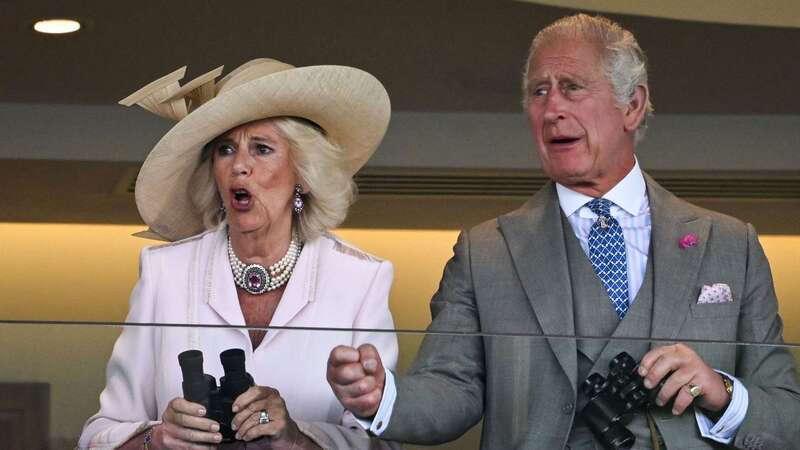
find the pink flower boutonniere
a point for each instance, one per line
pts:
(690, 240)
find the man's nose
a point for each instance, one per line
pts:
(554, 106)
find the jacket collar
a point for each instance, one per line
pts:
(220, 290)
(675, 269)
(535, 239)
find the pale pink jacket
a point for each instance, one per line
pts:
(190, 282)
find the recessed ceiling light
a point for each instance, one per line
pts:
(57, 26)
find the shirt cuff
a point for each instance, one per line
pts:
(724, 430)
(378, 424)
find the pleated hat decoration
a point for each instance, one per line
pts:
(350, 106)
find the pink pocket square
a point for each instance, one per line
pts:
(716, 293)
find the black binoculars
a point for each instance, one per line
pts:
(613, 400)
(199, 387)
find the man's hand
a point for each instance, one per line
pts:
(683, 368)
(357, 378)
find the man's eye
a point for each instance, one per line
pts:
(573, 87)
(539, 92)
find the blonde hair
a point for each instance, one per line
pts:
(321, 166)
(624, 62)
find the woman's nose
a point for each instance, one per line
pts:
(241, 164)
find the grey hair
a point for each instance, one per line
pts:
(624, 62)
(318, 162)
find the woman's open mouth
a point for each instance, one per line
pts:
(241, 199)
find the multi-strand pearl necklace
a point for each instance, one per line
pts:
(256, 279)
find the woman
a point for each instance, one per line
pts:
(246, 185)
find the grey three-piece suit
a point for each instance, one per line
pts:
(526, 273)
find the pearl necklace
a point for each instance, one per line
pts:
(256, 279)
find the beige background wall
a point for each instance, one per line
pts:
(85, 273)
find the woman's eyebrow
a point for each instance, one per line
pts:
(222, 140)
(258, 137)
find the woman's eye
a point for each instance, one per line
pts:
(263, 149)
(225, 149)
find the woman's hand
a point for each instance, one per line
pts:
(281, 431)
(185, 427)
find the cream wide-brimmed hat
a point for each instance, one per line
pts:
(350, 105)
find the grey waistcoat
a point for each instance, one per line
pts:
(595, 316)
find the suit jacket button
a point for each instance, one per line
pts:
(568, 408)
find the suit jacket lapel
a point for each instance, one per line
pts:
(299, 292)
(222, 297)
(535, 239)
(675, 269)
(220, 289)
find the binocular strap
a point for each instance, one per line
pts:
(655, 435)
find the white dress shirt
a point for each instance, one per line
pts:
(631, 208)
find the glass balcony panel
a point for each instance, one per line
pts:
(51, 374)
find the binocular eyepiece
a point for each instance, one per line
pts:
(614, 400)
(199, 387)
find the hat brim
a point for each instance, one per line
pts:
(349, 104)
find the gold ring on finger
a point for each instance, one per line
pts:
(694, 390)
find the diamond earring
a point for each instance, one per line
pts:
(298, 199)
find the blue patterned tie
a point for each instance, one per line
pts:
(607, 254)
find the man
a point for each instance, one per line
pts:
(603, 250)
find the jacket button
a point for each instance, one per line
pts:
(568, 407)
